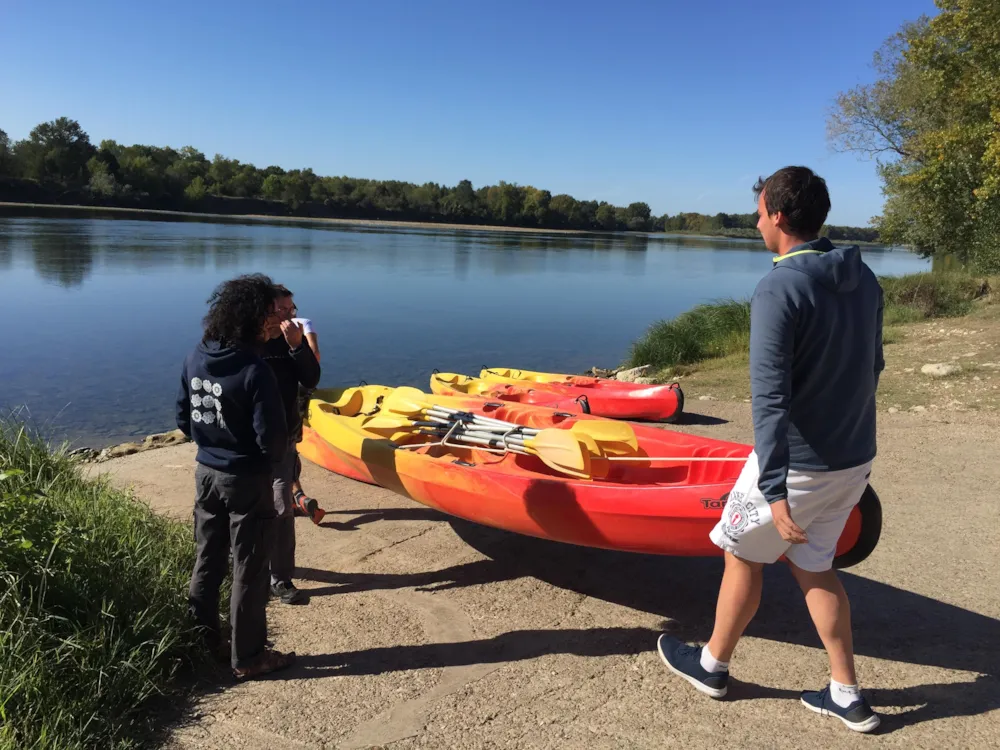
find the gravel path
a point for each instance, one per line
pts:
(423, 631)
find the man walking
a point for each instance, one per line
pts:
(228, 403)
(815, 360)
(294, 364)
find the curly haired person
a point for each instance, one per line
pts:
(230, 405)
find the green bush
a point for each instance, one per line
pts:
(931, 295)
(709, 330)
(93, 600)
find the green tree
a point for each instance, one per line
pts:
(606, 216)
(931, 121)
(58, 151)
(562, 209)
(505, 202)
(461, 201)
(637, 217)
(536, 206)
(189, 165)
(272, 187)
(6, 162)
(196, 190)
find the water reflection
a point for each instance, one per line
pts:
(6, 251)
(65, 258)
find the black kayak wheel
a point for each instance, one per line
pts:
(871, 531)
(679, 412)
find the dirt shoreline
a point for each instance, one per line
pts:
(265, 218)
(424, 631)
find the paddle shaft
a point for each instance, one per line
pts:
(452, 414)
(488, 426)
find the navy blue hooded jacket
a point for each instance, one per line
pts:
(292, 367)
(229, 404)
(815, 360)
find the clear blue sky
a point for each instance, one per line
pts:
(679, 104)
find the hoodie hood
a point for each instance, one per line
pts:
(216, 350)
(836, 268)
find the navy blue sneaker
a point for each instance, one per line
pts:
(685, 661)
(857, 716)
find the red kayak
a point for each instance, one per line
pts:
(658, 507)
(605, 397)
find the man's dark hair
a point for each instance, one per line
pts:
(238, 308)
(800, 195)
(282, 291)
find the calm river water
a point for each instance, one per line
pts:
(100, 313)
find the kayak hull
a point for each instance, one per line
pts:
(665, 509)
(605, 397)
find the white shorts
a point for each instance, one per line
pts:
(820, 502)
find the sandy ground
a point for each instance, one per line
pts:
(422, 631)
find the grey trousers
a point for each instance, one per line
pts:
(283, 539)
(235, 513)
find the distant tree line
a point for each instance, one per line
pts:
(57, 163)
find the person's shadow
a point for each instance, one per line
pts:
(889, 622)
(364, 516)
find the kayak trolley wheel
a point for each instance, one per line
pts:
(871, 530)
(675, 417)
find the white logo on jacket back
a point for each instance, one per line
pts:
(202, 404)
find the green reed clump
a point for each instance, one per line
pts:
(93, 599)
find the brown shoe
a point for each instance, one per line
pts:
(269, 661)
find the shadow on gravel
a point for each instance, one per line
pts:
(889, 623)
(693, 418)
(516, 645)
(363, 516)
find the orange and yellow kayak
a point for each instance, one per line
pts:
(653, 507)
(454, 384)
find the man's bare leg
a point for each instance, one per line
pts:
(831, 614)
(739, 598)
(707, 667)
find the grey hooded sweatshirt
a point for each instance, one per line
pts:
(815, 360)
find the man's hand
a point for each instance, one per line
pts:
(783, 522)
(293, 333)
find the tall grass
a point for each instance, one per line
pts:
(931, 295)
(93, 598)
(722, 328)
(706, 331)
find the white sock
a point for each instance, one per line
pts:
(710, 664)
(842, 695)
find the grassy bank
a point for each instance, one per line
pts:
(722, 329)
(93, 598)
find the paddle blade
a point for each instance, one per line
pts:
(599, 464)
(607, 432)
(612, 448)
(406, 400)
(392, 422)
(560, 448)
